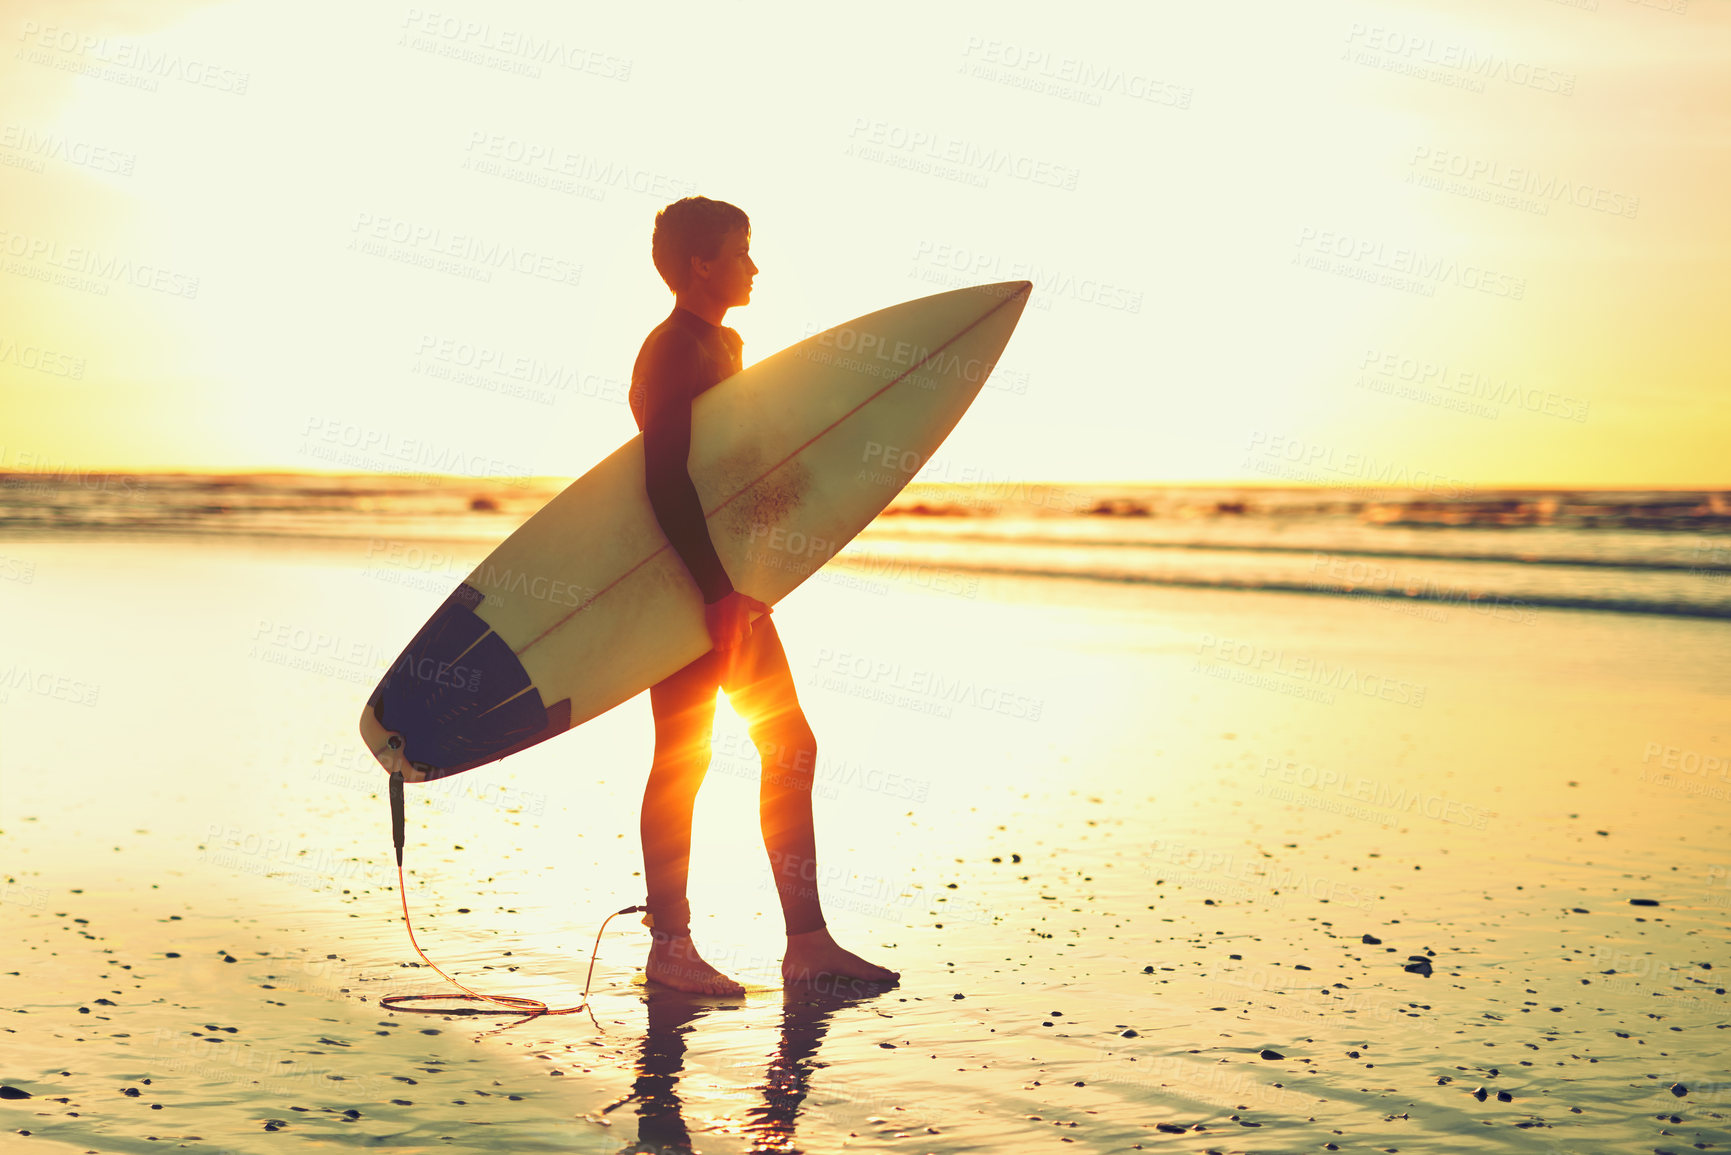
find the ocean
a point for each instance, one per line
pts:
(1503, 552)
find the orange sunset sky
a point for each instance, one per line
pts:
(1477, 239)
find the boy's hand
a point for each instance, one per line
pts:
(729, 620)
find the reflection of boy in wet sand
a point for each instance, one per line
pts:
(805, 1020)
(701, 249)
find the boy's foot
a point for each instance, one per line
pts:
(814, 954)
(675, 963)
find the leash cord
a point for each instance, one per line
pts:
(527, 1008)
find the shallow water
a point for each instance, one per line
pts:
(1086, 809)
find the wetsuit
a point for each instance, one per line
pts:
(683, 356)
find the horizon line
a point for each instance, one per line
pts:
(1228, 483)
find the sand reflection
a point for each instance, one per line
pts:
(770, 1123)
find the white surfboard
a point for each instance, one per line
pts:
(587, 604)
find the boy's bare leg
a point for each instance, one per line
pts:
(761, 690)
(684, 707)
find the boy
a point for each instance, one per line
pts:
(701, 248)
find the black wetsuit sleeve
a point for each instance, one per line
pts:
(669, 369)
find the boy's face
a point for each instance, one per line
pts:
(728, 277)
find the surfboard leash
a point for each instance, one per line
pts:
(527, 1008)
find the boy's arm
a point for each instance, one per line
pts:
(668, 372)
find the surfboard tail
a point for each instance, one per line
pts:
(456, 698)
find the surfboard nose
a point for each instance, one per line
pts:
(1007, 289)
(1008, 299)
(386, 746)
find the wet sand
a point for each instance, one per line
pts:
(1130, 848)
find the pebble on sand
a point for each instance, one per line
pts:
(1272, 1055)
(1677, 1089)
(1419, 966)
(1643, 902)
(8, 1092)
(1371, 940)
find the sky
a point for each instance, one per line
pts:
(1473, 241)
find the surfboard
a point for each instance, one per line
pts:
(587, 605)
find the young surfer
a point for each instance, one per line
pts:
(701, 248)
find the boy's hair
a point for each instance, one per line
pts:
(692, 227)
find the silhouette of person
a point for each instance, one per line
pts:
(701, 248)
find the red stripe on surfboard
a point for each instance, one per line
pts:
(801, 448)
